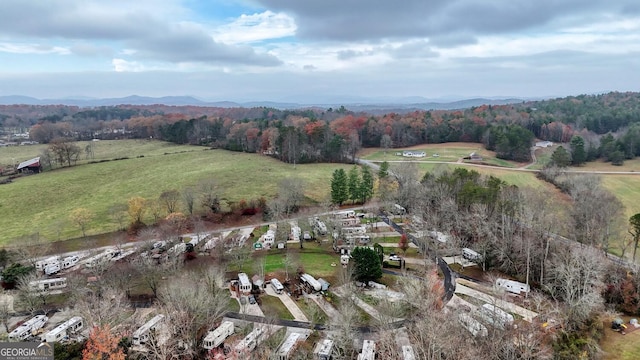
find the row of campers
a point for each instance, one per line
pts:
(32, 327)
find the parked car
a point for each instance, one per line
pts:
(252, 299)
(394, 257)
(307, 235)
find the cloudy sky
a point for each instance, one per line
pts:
(314, 51)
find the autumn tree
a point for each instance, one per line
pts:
(170, 200)
(136, 209)
(403, 244)
(209, 195)
(65, 151)
(102, 344)
(81, 217)
(339, 187)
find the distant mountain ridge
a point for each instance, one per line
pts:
(365, 105)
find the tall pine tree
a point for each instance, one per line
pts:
(354, 184)
(366, 185)
(339, 189)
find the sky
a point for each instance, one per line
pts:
(311, 51)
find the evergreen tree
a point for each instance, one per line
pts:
(339, 189)
(383, 172)
(561, 157)
(367, 264)
(578, 154)
(366, 185)
(353, 184)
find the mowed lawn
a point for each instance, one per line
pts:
(42, 203)
(627, 190)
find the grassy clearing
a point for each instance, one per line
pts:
(627, 189)
(312, 311)
(518, 178)
(620, 347)
(273, 307)
(42, 203)
(446, 152)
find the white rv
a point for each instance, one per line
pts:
(356, 230)
(320, 227)
(399, 210)
(244, 283)
(52, 269)
(311, 281)
(323, 350)
(42, 264)
(49, 284)
(28, 328)
(407, 353)
(62, 331)
(141, 336)
(277, 286)
(471, 255)
(288, 346)
(218, 336)
(368, 350)
(250, 341)
(345, 214)
(70, 261)
(513, 286)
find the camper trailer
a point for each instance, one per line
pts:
(49, 284)
(345, 214)
(471, 255)
(323, 350)
(250, 341)
(141, 336)
(311, 282)
(52, 269)
(320, 227)
(513, 286)
(407, 353)
(277, 286)
(496, 316)
(244, 283)
(64, 330)
(28, 328)
(356, 230)
(288, 346)
(472, 325)
(368, 350)
(70, 261)
(42, 264)
(398, 210)
(216, 337)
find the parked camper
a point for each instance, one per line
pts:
(49, 284)
(52, 269)
(472, 325)
(345, 214)
(70, 261)
(471, 255)
(513, 286)
(277, 286)
(407, 353)
(398, 210)
(28, 328)
(368, 350)
(323, 350)
(141, 336)
(64, 330)
(496, 316)
(250, 341)
(320, 227)
(311, 282)
(295, 233)
(42, 264)
(244, 283)
(216, 337)
(288, 346)
(356, 230)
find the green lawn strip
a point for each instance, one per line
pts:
(273, 306)
(233, 305)
(312, 311)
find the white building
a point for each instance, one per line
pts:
(418, 154)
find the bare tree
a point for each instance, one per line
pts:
(31, 298)
(31, 248)
(209, 195)
(152, 272)
(189, 198)
(102, 305)
(170, 199)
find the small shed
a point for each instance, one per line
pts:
(324, 283)
(32, 165)
(257, 281)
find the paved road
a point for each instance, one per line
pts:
(293, 308)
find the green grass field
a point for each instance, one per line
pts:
(627, 189)
(273, 307)
(42, 203)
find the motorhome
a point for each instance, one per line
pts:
(70, 261)
(28, 328)
(216, 337)
(311, 282)
(142, 335)
(320, 227)
(289, 345)
(513, 286)
(368, 350)
(471, 255)
(42, 264)
(49, 284)
(358, 239)
(323, 350)
(64, 330)
(250, 341)
(295, 233)
(52, 269)
(277, 286)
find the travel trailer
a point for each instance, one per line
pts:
(216, 337)
(28, 328)
(513, 286)
(64, 330)
(142, 335)
(323, 350)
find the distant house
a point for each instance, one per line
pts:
(414, 154)
(32, 165)
(544, 144)
(475, 157)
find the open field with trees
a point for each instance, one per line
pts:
(43, 203)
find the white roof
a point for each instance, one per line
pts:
(289, 343)
(324, 347)
(244, 279)
(29, 162)
(148, 325)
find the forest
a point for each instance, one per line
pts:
(607, 124)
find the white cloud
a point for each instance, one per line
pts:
(33, 49)
(256, 27)
(122, 65)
